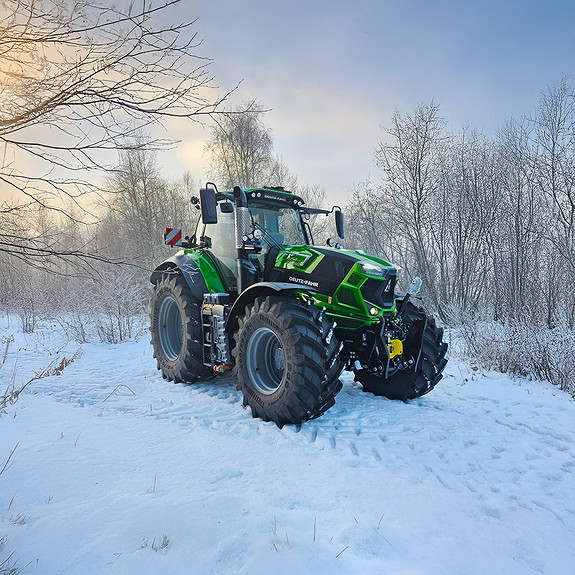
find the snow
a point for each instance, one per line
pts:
(117, 471)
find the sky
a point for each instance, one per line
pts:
(333, 72)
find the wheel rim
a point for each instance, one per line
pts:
(170, 328)
(265, 361)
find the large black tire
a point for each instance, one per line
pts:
(408, 383)
(176, 330)
(287, 360)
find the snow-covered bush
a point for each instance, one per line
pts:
(109, 306)
(117, 300)
(107, 302)
(523, 347)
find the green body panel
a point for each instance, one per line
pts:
(349, 299)
(304, 257)
(208, 270)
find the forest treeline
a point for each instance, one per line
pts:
(487, 223)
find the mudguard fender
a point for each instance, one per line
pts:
(257, 290)
(181, 263)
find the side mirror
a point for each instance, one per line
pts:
(209, 205)
(339, 223)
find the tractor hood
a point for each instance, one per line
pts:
(351, 277)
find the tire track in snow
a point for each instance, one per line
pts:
(359, 424)
(459, 435)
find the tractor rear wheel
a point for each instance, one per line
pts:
(408, 383)
(287, 360)
(176, 330)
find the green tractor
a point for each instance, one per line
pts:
(251, 291)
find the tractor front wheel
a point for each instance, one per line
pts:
(287, 360)
(411, 383)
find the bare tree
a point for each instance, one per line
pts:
(555, 166)
(142, 204)
(240, 150)
(410, 163)
(78, 79)
(515, 241)
(373, 228)
(465, 212)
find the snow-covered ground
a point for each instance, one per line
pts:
(114, 470)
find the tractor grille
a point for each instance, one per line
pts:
(380, 292)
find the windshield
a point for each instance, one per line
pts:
(280, 225)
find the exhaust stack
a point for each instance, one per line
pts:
(247, 274)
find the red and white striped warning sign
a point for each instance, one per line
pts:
(173, 237)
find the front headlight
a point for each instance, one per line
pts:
(374, 270)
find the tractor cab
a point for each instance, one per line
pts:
(270, 219)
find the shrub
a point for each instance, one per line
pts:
(524, 347)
